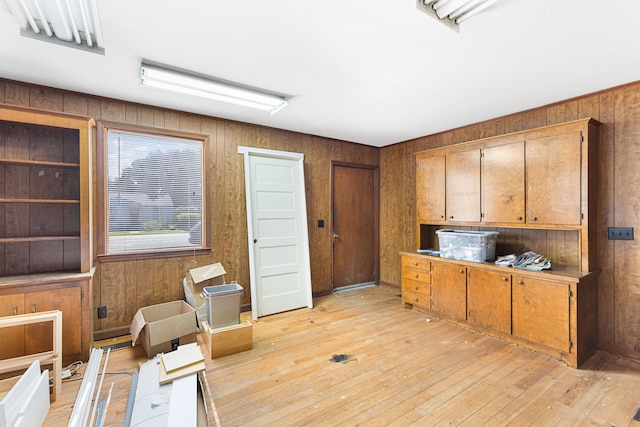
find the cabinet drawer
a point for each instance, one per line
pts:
(416, 287)
(416, 275)
(417, 299)
(419, 263)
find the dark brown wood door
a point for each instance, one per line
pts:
(354, 225)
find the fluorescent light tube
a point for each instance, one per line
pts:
(176, 81)
(476, 10)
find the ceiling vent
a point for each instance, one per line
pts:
(72, 23)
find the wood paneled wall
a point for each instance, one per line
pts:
(125, 286)
(618, 109)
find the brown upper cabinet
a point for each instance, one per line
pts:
(503, 195)
(448, 186)
(540, 178)
(554, 179)
(462, 186)
(537, 177)
(430, 187)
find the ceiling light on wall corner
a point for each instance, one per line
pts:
(453, 12)
(72, 23)
(210, 88)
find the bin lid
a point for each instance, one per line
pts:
(207, 272)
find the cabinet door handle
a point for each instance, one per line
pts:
(451, 217)
(520, 282)
(415, 276)
(460, 271)
(441, 216)
(533, 218)
(415, 288)
(518, 218)
(33, 307)
(415, 264)
(15, 309)
(504, 279)
(415, 299)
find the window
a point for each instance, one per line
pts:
(152, 188)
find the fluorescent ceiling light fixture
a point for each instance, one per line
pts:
(453, 12)
(72, 23)
(205, 87)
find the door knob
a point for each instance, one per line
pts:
(335, 235)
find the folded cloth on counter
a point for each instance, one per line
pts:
(525, 261)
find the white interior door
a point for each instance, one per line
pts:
(277, 230)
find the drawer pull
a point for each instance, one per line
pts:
(15, 309)
(415, 276)
(33, 307)
(415, 264)
(415, 288)
(520, 282)
(504, 279)
(415, 299)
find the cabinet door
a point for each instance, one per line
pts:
(12, 338)
(553, 179)
(489, 299)
(503, 183)
(463, 186)
(540, 312)
(39, 335)
(449, 289)
(430, 192)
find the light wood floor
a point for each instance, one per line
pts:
(402, 369)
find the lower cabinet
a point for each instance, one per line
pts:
(450, 290)
(489, 299)
(540, 312)
(44, 293)
(551, 312)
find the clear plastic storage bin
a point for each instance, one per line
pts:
(476, 246)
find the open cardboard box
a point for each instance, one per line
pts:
(195, 282)
(161, 328)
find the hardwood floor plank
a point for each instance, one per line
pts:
(404, 368)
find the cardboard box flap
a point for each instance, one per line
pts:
(207, 272)
(136, 326)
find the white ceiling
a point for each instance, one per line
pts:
(374, 72)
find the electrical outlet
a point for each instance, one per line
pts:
(620, 233)
(102, 311)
